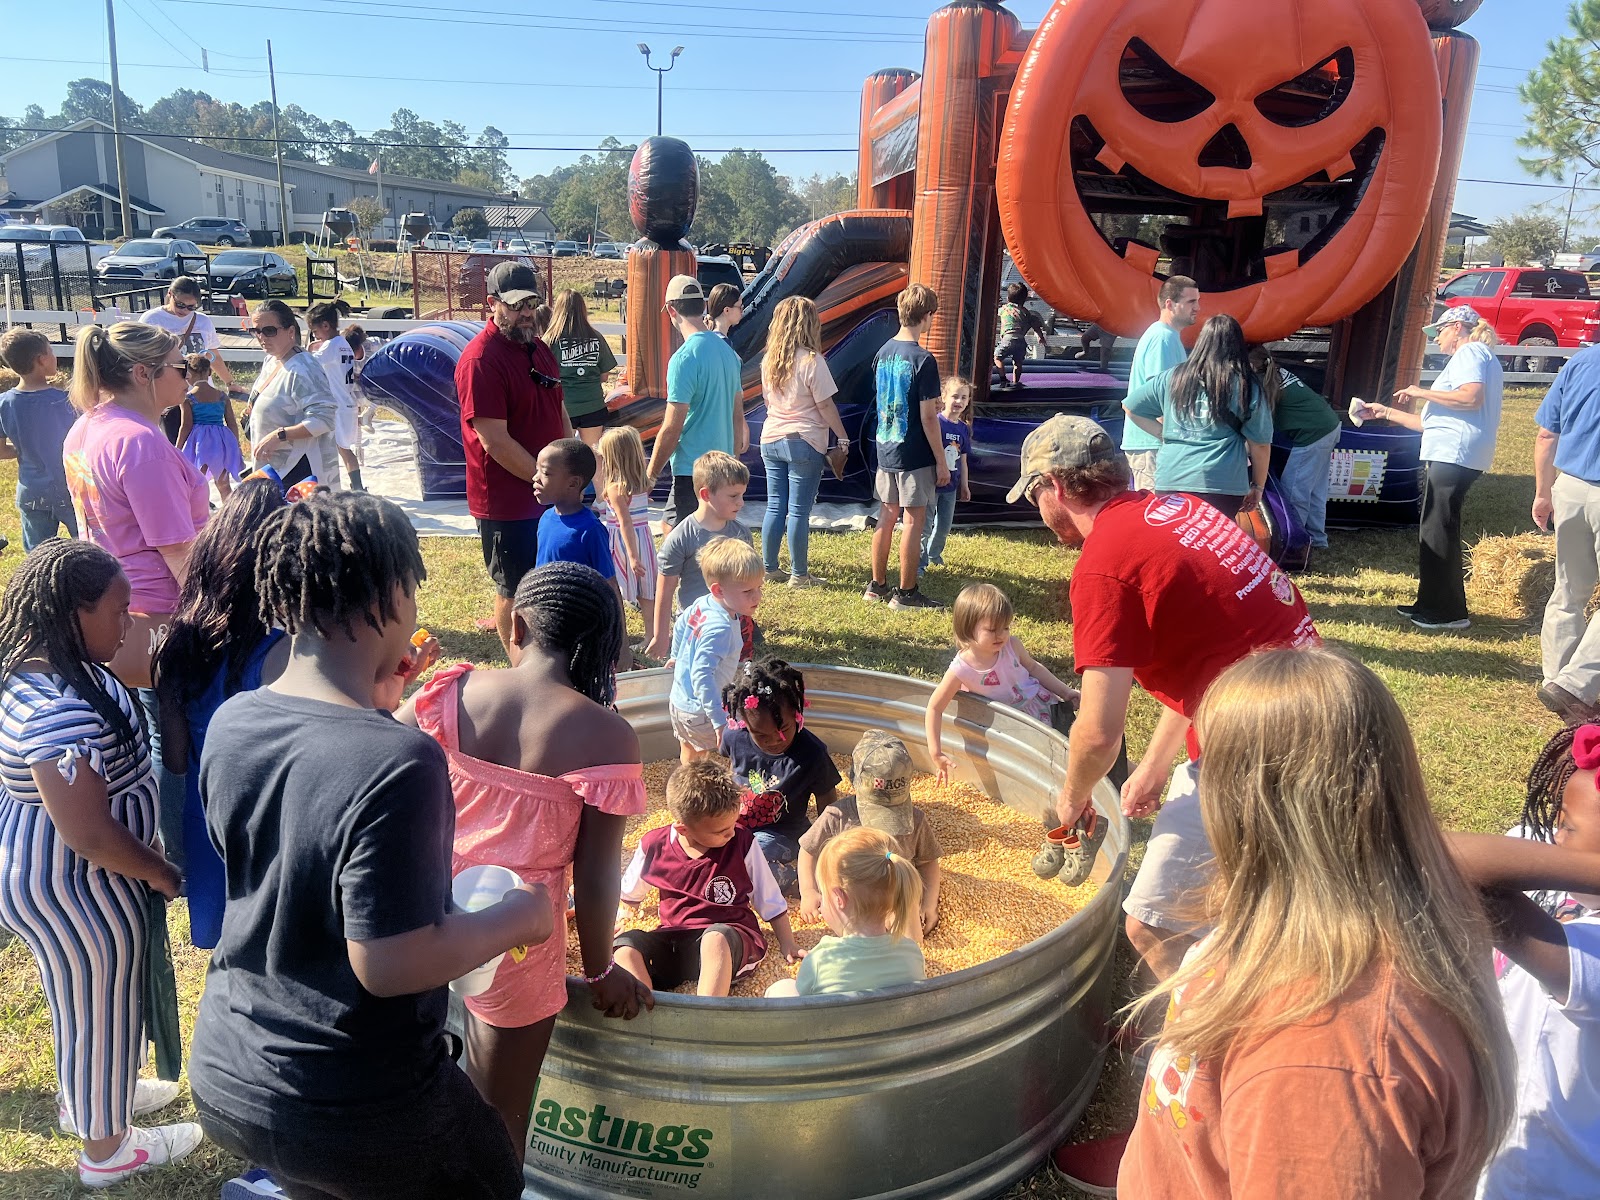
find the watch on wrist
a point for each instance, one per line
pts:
(283, 434)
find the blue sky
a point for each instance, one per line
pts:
(560, 74)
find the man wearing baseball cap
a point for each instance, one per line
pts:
(704, 407)
(509, 387)
(1167, 593)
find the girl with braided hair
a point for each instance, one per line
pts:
(545, 775)
(319, 1052)
(79, 853)
(777, 761)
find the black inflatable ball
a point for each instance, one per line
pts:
(663, 188)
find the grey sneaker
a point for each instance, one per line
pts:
(912, 598)
(777, 577)
(805, 581)
(876, 592)
(1423, 621)
(1081, 846)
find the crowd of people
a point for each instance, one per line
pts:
(1337, 996)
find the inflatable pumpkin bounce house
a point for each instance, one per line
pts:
(1297, 159)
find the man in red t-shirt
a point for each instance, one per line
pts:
(509, 386)
(1167, 593)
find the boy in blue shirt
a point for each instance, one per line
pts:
(1160, 349)
(34, 420)
(707, 641)
(569, 531)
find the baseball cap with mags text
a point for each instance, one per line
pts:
(1062, 443)
(880, 769)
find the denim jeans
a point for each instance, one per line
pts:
(794, 469)
(41, 522)
(170, 787)
(1305, 486)
(940, 514)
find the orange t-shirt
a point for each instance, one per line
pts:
(1373, 1098)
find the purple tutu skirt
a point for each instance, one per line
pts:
(214, 452)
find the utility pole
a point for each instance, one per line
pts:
(285, 216)
(116, 125)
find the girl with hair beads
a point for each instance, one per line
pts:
(544, 790)
(1549, 970)
(871, 897)
(319, 1051)
(625, 493)
(779, 762)
(79, 854)
(208, 435)
(217, 646)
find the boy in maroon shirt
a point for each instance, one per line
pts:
(713, 879)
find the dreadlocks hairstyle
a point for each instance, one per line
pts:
(774, 686)
(39, 619)
(571, 611)
(333, 561)
(1547, 779)
(218, 621)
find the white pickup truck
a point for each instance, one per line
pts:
(36, 241)
(1589, 261)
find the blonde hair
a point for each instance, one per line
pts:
(1328, 858)
(622, 459)
(916, 304)
(878, 881)
(725, 559)
(698, 790)
(976, 603)
(1483, 332)
(103, 359)
(569, 319)
(952, 385)
(795, 327)
(717, 469)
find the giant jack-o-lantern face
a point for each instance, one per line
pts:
(1290, 147)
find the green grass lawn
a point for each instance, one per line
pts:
(1469, 698)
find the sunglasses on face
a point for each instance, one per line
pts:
(262, 331)
(181, 307)
(523, 306)
(180, 368)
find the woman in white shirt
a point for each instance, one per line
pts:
(292, 409)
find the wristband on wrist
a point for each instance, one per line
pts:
(591, 980)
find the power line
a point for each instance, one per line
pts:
(180, 53)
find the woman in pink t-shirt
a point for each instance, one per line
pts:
(137, 498)
(794, 437)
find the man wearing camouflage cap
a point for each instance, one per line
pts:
(1167, 593)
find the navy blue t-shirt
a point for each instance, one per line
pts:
(36, 423)
(797, 775)
(578, 537)
(957, 441)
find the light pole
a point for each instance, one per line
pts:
(1572, 196)
(660, 71)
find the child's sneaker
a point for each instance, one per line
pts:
(254, 1182)
(149, 1095)
(876, 592)
(1081, 846)
(141, 1150)
(912, 598)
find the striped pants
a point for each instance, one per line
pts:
(87, 929)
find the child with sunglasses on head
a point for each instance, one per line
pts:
(1542, 890)
(208, 435)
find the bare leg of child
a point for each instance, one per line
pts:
(716, 964)
(503, 1065)
(783, 987)
(631, 961)
(352, 468)
(224, 486)
(647, 614)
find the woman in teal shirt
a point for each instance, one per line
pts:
(1219, 454)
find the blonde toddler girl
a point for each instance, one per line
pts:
(625, 509)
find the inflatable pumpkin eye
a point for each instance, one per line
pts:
(1156, 89)
(1312, 96)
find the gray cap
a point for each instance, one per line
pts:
(513, 282)
(1060, 444)
(880, 769)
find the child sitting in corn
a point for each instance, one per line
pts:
(713, 880)
(880, 771)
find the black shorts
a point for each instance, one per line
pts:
(683, 500)
(510, 549)
(672, 956)
(1015, 349)
(591, 420)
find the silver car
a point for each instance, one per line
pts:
(153, 258)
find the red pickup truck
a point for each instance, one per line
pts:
(1529, 306)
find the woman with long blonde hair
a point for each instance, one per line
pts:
(794, 438)
(1338, 1033)
(586, 359)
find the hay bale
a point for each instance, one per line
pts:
(1511, 576)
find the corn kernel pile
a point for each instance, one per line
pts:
(990, 901)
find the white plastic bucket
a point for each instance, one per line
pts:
(474, 889)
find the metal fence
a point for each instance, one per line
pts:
(448, 285)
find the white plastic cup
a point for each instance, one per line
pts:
(477, 888)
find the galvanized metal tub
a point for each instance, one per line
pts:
(953, 1088)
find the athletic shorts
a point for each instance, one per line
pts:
(590, 420)
(1178, 865)
(906, 489)
(510, 550)
(1014, 349)
(695, 730)
(672, 956)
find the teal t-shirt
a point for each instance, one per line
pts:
(1201, 455)
(1160, 349)
(860, 964)
(704, 374)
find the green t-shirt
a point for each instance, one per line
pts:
(860, 964)
(1159, 350)
(1303, 416)
(584, 362)
(1201, 454)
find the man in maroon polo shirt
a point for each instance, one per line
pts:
(509, 386)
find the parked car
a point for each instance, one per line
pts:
(463, 244)
(438, 240)
(606, 250)
(208, 231)
(481, 246)
(37, 239)
(712, 269)
(1528, 306)
(566, 250)
(153, 258)
(1585, 262)
(253, 274)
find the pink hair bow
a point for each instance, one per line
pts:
(1586, 747)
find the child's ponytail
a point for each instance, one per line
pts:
(879, 881)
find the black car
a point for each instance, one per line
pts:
(208, 231)
(253, 274)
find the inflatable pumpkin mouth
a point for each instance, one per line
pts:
(1225, 244)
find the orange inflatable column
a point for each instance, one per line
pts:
(952, 250)
(880, 88)
(651, 338)
(1379, 349)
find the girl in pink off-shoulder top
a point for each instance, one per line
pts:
(544, 774)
